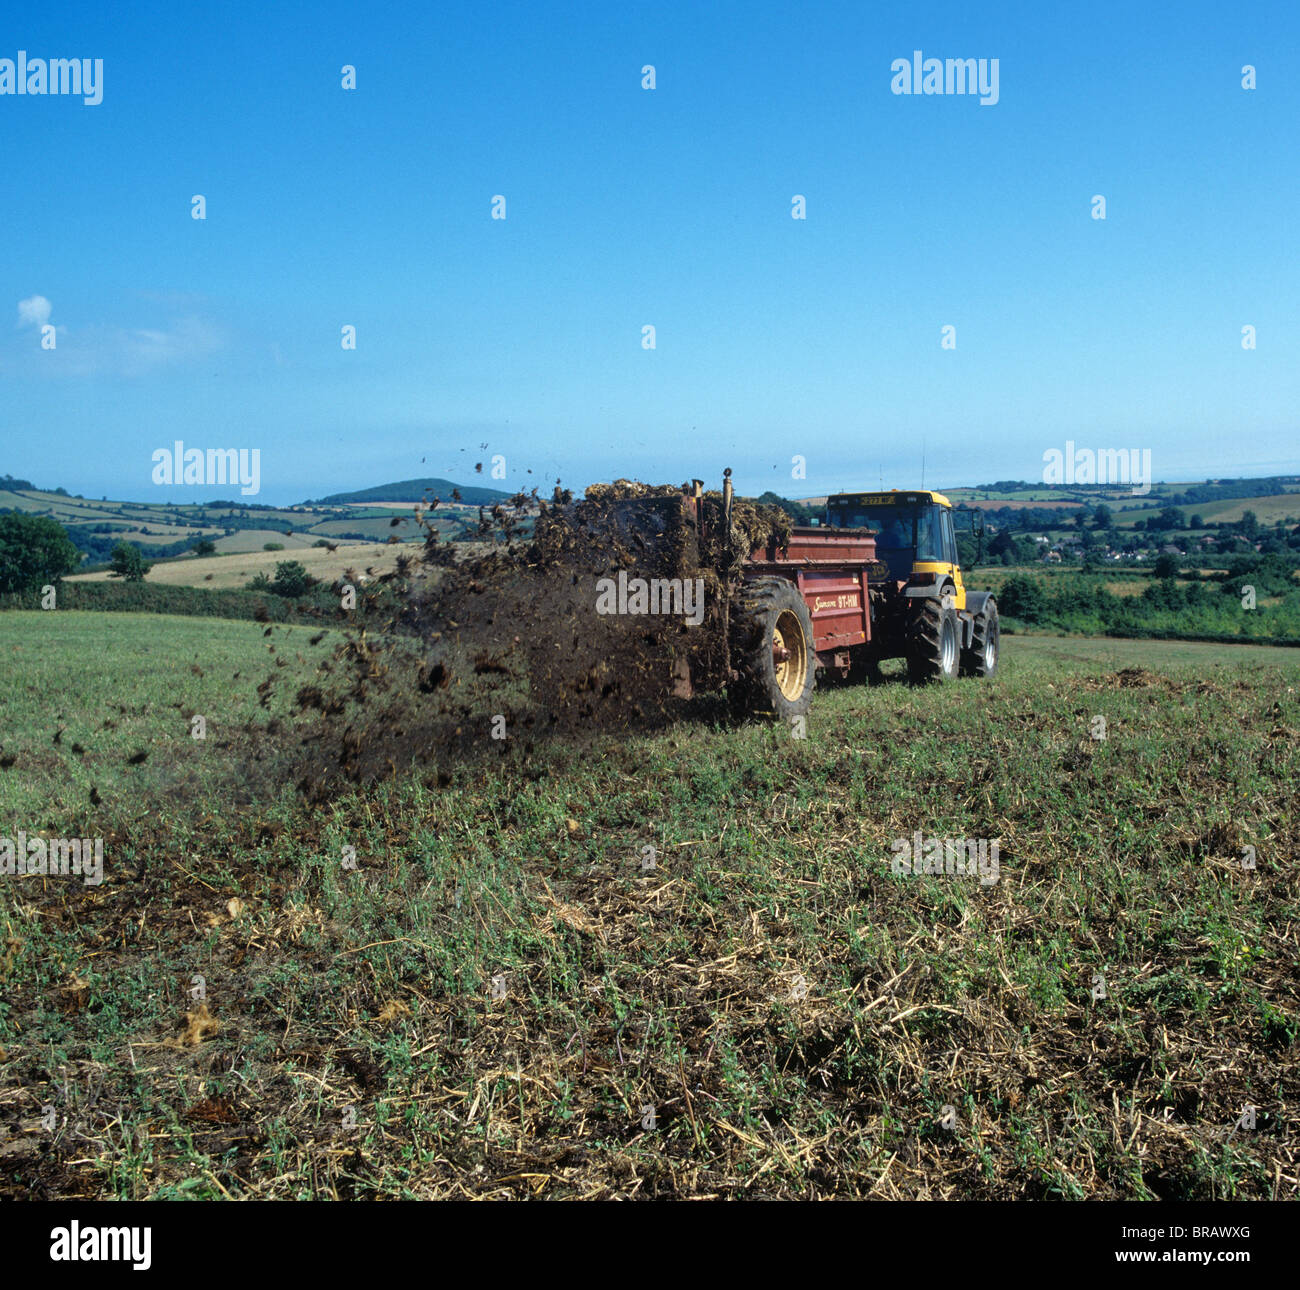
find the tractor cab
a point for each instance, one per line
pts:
(914, 532)
(923, 611)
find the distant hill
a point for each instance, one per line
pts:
(415, 490)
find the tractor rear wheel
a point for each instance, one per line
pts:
(986, 641)
(934, 643)
(772, 649)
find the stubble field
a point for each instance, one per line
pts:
(674, 963)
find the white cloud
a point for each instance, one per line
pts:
(137, 350)
(109, 349)
(34, 311)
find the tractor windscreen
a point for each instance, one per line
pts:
(905, 534)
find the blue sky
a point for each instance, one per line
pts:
(670, 207)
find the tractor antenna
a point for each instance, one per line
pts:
(922, 463)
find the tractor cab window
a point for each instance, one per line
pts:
(949, 540)
(906, 532)
(930, 535)
(893, 524)
(895, 533)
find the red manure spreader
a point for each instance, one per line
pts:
(880, 580)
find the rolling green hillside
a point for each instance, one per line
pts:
(417, 490)
(165, 529)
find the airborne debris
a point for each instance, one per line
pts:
(489, 650)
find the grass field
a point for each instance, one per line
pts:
(250, 541)
(1126, 581)
(1268, 510)
(499, 999)
(235, 570)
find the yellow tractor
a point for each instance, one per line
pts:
(921, 608)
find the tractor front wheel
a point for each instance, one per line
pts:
(934, 643)
(772, 649)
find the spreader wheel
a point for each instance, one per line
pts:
(772, 649)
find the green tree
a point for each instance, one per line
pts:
(1165, 594)
(291, 579)
(797, 511)
(1023, 598)
(1166, 567)
(205, 546)
(1102, 516)
(128, 563)
(1004, 543)
(34, 552)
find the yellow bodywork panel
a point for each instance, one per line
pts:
(895, 497)
(946, 571)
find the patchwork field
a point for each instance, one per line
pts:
(501, 997)
(164, 524)
(1282, 506)
(235, 570)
